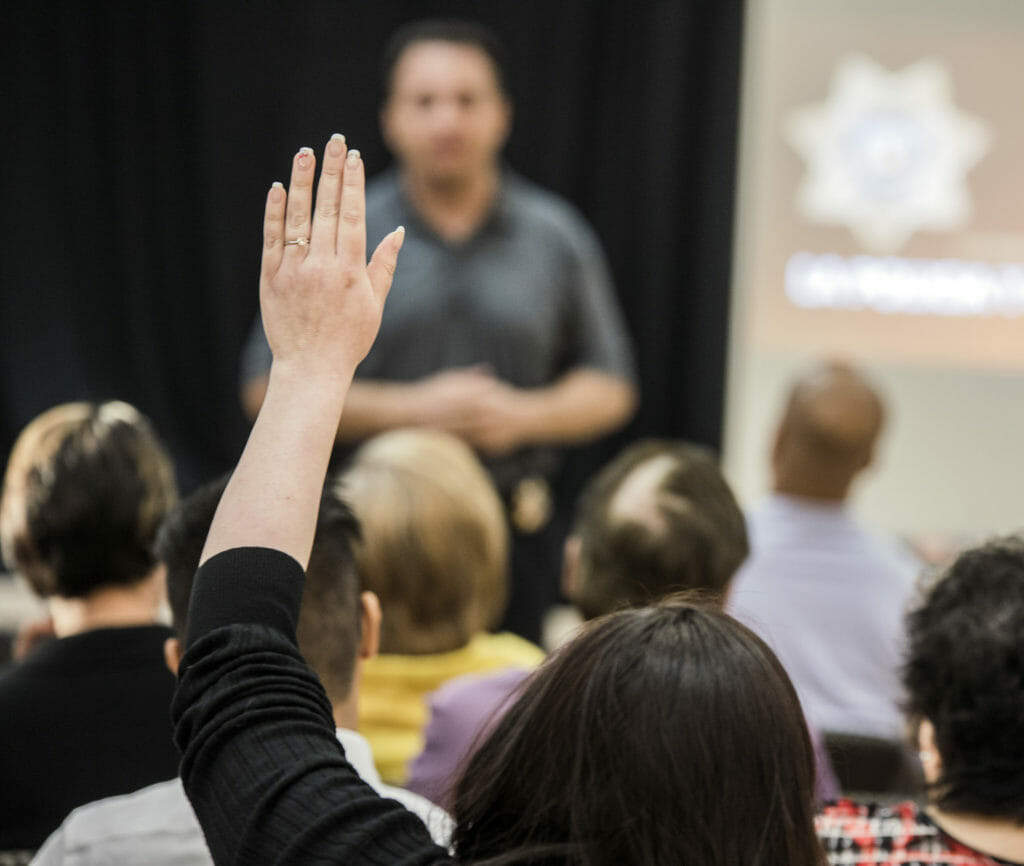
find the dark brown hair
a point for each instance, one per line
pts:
(682, 530)
(965, 674)
(330, 617)
(458, 30)
(86, 487)
(661, 735)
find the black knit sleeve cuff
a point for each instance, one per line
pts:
(254, 585)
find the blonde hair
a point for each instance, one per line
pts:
(86, 488)
(435, 540)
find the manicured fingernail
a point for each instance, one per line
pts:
(305, 156)
(276, 191)
(277, 184)
(338, 137)
(400, 230)
(336, 146)
(353, 156)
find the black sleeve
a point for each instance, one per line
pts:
(260, 760)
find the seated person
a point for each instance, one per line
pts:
(434, 549)
(658, 519)
(596, 763)
(84, 715)
(964, 677)
(827, 594)
(338, 631)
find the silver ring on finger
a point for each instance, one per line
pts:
(298, 242)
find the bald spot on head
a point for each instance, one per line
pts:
(660, 518)
(828, 432)
(637, 499)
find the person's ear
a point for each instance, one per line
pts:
(928, 752)
(369, 641)
(571, 567)
(172, 654)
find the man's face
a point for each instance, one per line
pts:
(446, 118)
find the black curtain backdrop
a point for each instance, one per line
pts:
(140, 139)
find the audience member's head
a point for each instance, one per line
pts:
(668, 734)
(827, 434)
(179, 545)
(86, 488)
(658, 519)
(336, 624)
(964, 678)
(434, 542)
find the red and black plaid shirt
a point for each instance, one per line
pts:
(899, 835)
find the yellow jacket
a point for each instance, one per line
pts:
(393, 690)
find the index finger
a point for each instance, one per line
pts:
(352, 225)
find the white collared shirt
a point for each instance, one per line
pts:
(156, 825)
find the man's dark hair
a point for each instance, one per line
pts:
(458, 30)
(658, 519)
(668, 734)
(86, 487)
(330, 619)
(179, 544)
(965, 674)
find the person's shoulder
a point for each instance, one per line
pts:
(437, 821)
(900, 833)
(122, 824)
(546, 208)
(870, 823)
(505, 649)
(476, 696)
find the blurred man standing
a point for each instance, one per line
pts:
(503, 327)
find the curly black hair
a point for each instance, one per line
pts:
(965, 674)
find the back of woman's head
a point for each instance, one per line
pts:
(965, 675)
(434, 539)
(661, 735)
(85, 490)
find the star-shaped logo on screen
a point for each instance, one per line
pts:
(887, 153)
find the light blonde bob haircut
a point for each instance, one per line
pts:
(434, 539)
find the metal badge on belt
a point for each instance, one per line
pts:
(530, 504)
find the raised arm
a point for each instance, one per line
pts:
(321, 306)
(261, 763)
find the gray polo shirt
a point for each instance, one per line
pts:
(529, 295)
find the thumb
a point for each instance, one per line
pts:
(384, 261)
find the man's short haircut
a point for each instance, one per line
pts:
(86, 487)
(659, 519)
(833, 417)
(180, 542)
(330, 618)
(458, 30)
(965, 674)
(435, 539)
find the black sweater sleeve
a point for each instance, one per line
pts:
(260, 760)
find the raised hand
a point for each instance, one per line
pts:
(321, 303)
(321, 306)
